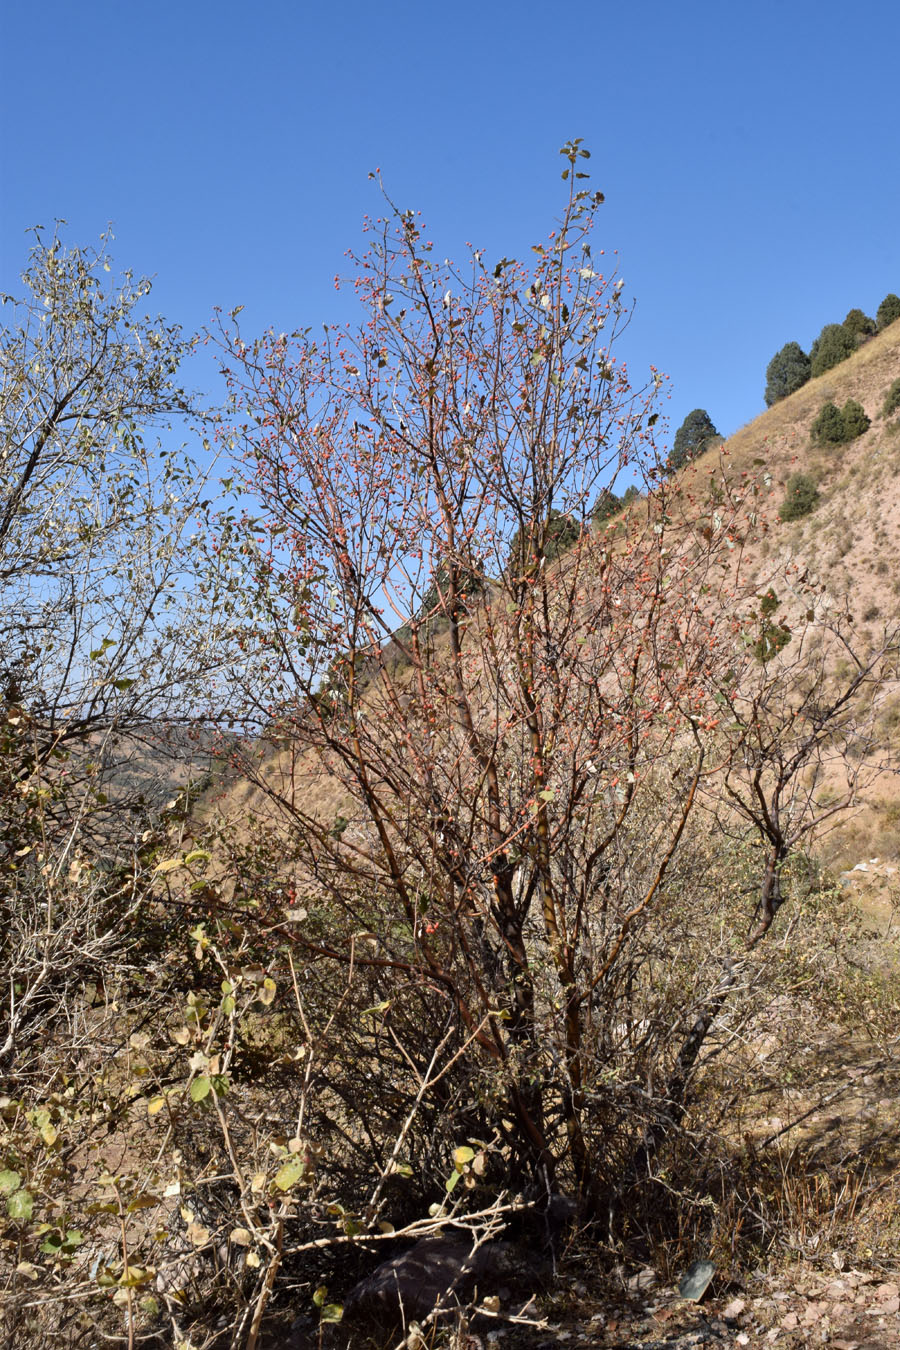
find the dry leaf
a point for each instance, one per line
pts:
(198, 1234)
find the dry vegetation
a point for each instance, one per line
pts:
(520, 925)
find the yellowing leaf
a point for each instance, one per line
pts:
(169, 865)
(155, 1105)
(288, 1175)
(461, 1156)
(134, 1276)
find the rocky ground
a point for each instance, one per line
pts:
(846, 1309)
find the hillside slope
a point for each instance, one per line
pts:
(847, 548)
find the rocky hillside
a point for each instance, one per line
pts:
(845, 549)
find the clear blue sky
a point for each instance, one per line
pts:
(749, 153)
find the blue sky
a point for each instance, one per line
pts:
(749, 153)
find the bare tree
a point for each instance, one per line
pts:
(522, 710)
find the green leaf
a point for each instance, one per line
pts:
(332, 1312)
(451, 1182)
(9, 1182)
(20, 1205)
(200, 1088)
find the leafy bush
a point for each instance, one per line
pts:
(833, 345)
(888, 311)
(892, 399)
(691, 438)
(773, 637)
(859, 323)
(828, 428)
(802, 497)
(853, 415)
(837, 426)
(787, 372)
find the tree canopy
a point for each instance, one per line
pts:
(691, 438)
(787, 372)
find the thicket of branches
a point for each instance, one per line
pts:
(515, 822)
